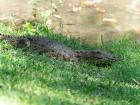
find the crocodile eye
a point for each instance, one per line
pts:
(23, 43)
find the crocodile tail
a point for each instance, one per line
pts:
(92, 53)
(97, 54)
(97, 57)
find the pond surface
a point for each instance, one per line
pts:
(84, 19)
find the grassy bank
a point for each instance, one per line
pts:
(27, 78)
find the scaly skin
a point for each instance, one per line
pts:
(52, 48)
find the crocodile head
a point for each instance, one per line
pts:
(20, 42)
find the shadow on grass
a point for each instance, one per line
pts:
(26, 71)
(44, 79)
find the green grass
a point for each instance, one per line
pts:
(31, 79)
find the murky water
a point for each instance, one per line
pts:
(85, 19)
(15, 9)
(90, 20)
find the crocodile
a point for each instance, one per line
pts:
(58, 50)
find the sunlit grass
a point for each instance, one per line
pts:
(27, 78)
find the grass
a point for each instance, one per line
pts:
(31, 79)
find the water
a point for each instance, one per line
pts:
(91, 19)
(84, 19)
(15, 9)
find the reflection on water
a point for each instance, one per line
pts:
(87, 19)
